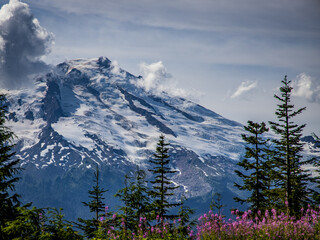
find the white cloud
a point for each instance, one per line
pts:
(23, 42)
(155, 76)
(244, 88)
(306, 88)
(156, 79)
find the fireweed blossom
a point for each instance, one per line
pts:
(210, 226)
(274, 226)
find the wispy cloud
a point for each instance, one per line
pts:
(212, 15)
(22, 44)
(244, 89)
(305, 87)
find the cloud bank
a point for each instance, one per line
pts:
(244, 88)
(22, 44)
(305, 87)
(156, 79)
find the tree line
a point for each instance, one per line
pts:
(272, 174)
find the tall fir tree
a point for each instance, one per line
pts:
(292, 180)
(9, 168)
(162, 185)
(96, 206)
(255, 176)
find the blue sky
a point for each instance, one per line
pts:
(230, 56)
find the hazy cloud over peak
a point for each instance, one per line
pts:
(154, 75)
(304, 86)
(244, 88)
(156, 79)
(22, 44)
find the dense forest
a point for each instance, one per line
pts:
(283, 196)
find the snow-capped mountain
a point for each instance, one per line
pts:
(96, 108)
(88, 112)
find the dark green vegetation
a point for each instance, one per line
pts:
(9, 202)
(272, 175)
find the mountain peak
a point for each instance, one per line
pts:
(94, 97)
(90, 112)
(104, 62)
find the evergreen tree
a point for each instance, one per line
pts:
(254, 164)
(162, 186)
(96, 206)
(292, 180)
(135, 198)
(8, 170)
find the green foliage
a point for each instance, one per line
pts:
(27, 225)
(256, 166)
(292, 180)
(89, 226)
(162, 186)
(135, 198)
(8, 169)
(38, 224)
